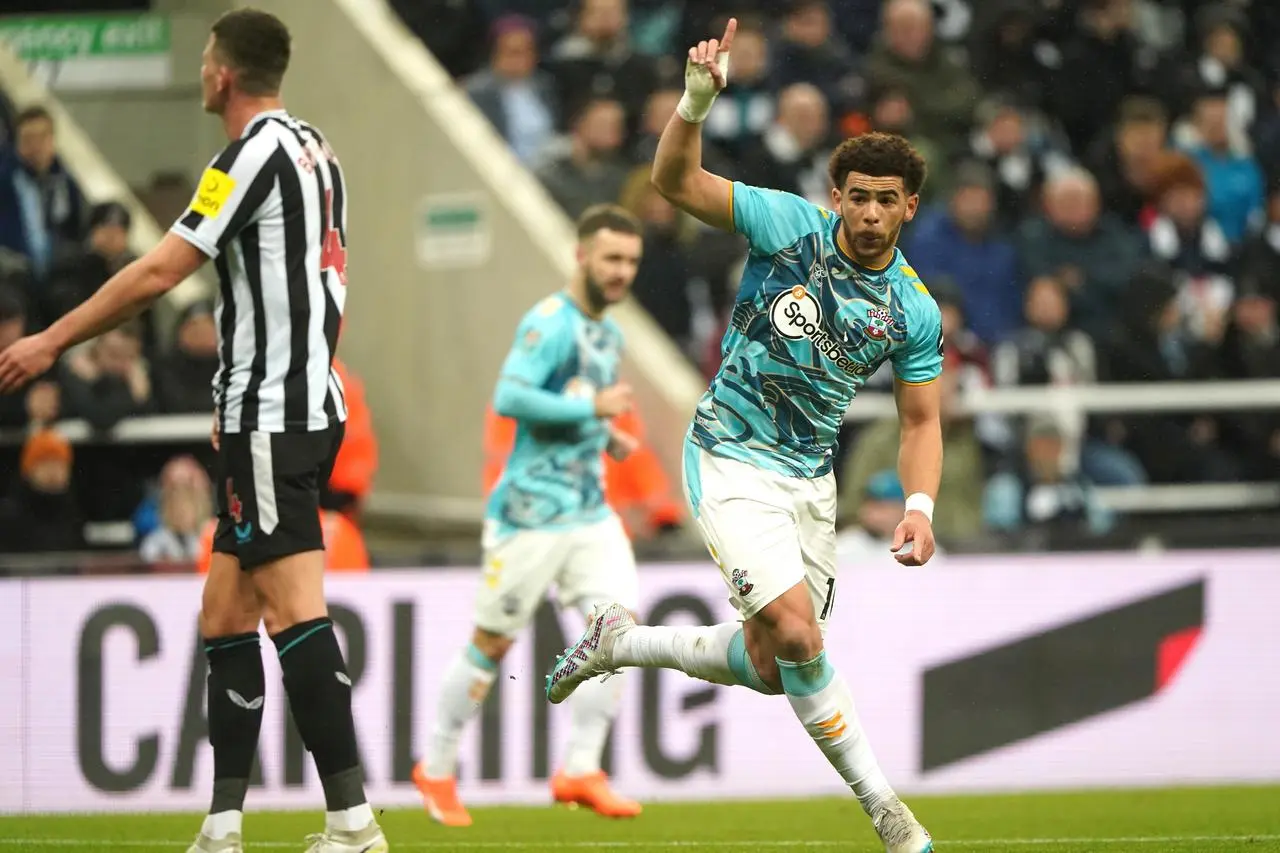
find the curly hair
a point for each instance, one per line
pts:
(880, 155)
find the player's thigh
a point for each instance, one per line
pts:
(816, 518)
(519, 568)
(745, 519)
(273, 512)
(599, 568)
(229, 602)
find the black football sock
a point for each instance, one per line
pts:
(315, 677)
(237, 689)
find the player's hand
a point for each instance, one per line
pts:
(215, 436)
(613, 401)
(708, 64)
(621, 444)
(914, 529)
(24, 360)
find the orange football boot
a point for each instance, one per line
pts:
(592, 791)
(440, 797)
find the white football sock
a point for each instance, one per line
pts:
(594, 706)
(715, 653)
(466, 683)
(350, 820)
(219, 826)
(822, 701)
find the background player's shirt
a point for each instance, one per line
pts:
(808, 328)
(554, 478)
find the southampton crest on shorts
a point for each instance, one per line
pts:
(741, 584)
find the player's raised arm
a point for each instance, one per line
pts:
(677, 166)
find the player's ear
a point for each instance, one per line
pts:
(835, 199)
(913, 203)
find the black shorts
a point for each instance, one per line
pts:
(269, 493)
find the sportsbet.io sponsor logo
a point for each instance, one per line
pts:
(797, 316)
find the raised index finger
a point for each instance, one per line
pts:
(729, 29)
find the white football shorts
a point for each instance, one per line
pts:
(587, 565)
(766, 531)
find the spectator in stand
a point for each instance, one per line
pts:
(183, 376)
(595, 61)
(941, 89)
(1124, 161)
(792, 155)
(1154, 346)
(516, 98)
(1193, 245)
(78, 270)
(1234, 179)
(40, 513)
(106, 380)
(658, 110)
(1010, 57)
(864, 535)
(962, 241)
(663, 281)
(1049, 352)
(186, 506)
(745, 110)
(1092, 252)
(1251, 350)
(1102, 63)
(1221, 64)
(593, 170)
(41, 205)
(450, 30)
(1042, 493)
(810, 53)
(13, 325)
(891, 112)
(351, 480)
(1020, 162)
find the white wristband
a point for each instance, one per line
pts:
(700, 90)
(921, 503)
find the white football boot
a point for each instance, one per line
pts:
(593, 654)
(205, 844)
(900, 831)
(367, 840)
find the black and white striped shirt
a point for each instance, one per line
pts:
(271, 210)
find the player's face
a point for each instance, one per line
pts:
(874, 210)
(609, 262)
(215, 80)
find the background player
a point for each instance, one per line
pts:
(548, 522)
(278, 423)
(823, 302)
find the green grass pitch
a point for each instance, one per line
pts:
(1159, 821)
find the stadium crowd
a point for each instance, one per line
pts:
(1103, 201)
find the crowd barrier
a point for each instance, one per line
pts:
(979, 674)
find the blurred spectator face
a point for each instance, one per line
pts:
(1223, 44)
(661, 106)
(808, 25)
(610, 260)
(750, 56)
(1044, 456)
(1006, 131)
(1184, 204)
(971, 208)
(1072, 206)
(1109, 17)
(12, 325)
(184, 495)
(1168, 317)
(1273, 208)
(49, 476)
(116, 352)
(656, 210)
(34, 144)
(908, 29)
(1046, 305)
(1141, 140)
(892, 112)
(802, 110)
(109, 240)
(198, 336)
(1255, 314)
(602, 21)
(879, 517)
(515, 54)
(952, 319)
(600, 127)
(1211, 121)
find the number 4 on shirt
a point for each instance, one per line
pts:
(333, 255)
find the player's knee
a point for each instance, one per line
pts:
(492, 646)
(227, 617)
(796, 637)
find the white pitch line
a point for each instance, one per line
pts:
(673, 845)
